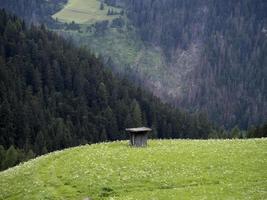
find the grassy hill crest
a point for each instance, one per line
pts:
(166, 169)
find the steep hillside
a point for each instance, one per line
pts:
(218, 48)
(34, 11)
(166, 169)
(109, 33)
(205, 56)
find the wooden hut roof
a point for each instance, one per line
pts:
(139, 129)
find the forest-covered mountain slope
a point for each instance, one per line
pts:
(220, 47)
(206, 56)
(34, 11)
(166, 169)
(54, 95)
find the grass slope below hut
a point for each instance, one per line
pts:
(167, 169)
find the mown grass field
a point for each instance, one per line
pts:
(167, 169)
(84, 12)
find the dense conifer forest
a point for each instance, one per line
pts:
(218, 47)
(223, 44)
(34, 11)
(54, 95)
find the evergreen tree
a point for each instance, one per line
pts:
(2, 157)
(235, 132)
(11, 157)
(128, 121)
(103, 95)
(30, 155)
(102, 7)
(39, 143)
(154, 133)
(103, 135)
(136, 114)
(111, 124)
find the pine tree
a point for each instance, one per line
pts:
(7, 131)
(62, 134)
(102, 7)
(36, 81)
(154, 133)
(2, 156)
(128, 121)
(102, 95)
(144, 119)
(109, 12)
(235, 132)
(111, 124)
(136, 114)
(11, 157)
(103, 135)
(44, 150)
(27, 136)
(30, 155)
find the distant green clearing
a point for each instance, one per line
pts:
(84, 12)
(167, 169)
(121, 44)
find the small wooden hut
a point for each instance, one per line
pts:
(138, 136)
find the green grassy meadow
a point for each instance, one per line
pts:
(166, 169)
(84, 12)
